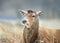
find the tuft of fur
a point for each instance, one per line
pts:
(30, 11)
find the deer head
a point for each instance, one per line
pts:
(31, 16)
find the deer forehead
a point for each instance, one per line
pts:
(31, 11)
(31, 14)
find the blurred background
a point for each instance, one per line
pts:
(50, 8)
(11, 27)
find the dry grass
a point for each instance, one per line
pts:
(14, 33)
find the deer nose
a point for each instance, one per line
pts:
(24, 21)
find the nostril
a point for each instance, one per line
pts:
(24, 21)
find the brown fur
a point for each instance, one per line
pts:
(31, 34)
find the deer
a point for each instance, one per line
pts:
(30, 32)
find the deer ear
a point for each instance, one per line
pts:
(39, 13)
(23, 12)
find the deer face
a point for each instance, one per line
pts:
(31, 16)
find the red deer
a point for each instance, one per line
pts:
(30, 33)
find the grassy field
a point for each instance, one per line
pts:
(10, 33)
(13, 33)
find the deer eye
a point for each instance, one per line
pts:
(33, 16)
